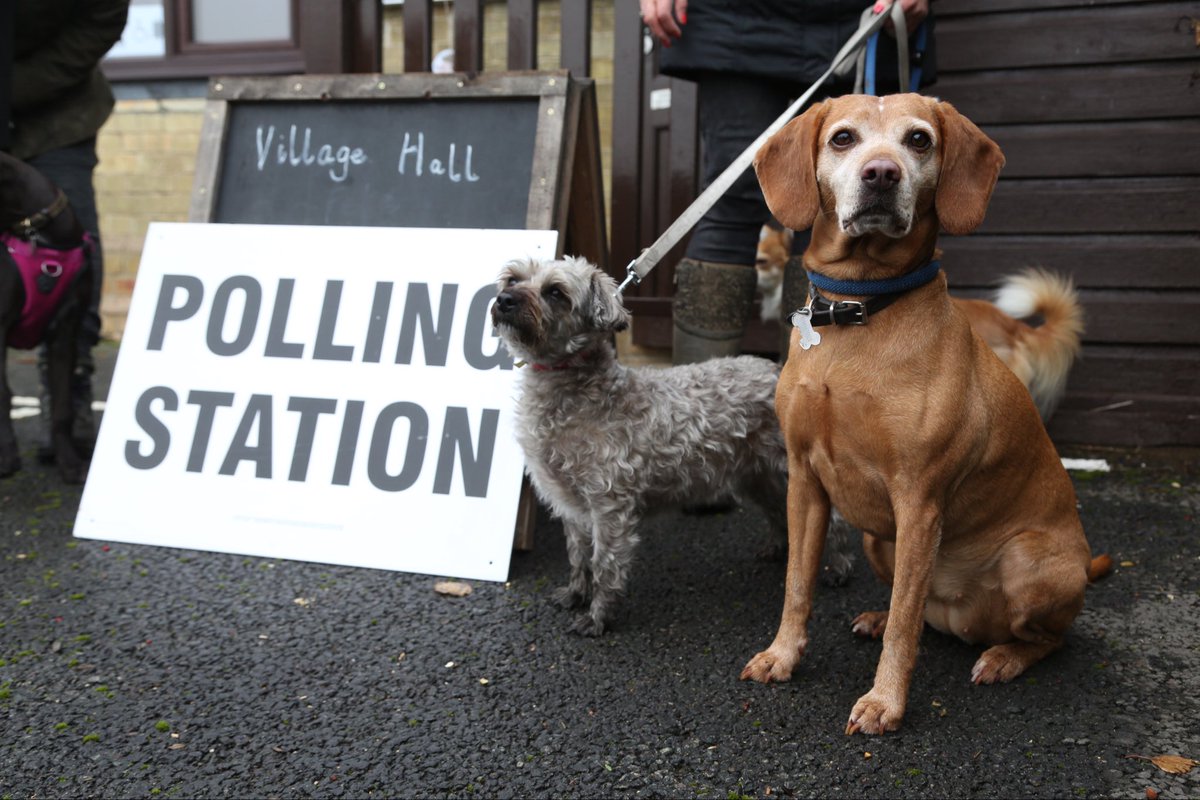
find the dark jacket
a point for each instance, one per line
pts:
(787, 40)
(59, 94)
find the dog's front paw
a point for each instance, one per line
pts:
(773, 664)
(874, 714)
(870, 624)
(587, 625)
(567, 598)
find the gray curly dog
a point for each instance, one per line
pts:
(606, 444)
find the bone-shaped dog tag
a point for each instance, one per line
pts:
(802, 321)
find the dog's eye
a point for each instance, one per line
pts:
(842, 139)
(919, 140)
(512, 281)
(554, 293)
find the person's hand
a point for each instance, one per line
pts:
(660, 17)
(914, 12)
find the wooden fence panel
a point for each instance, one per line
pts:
(1142, 261)
(1108, 149)
(418, 35)
(522, 34)
(1135, 32)
(1097, 107)
(576, 52)
(1169, 90)
(1101, 206)
(468, 35)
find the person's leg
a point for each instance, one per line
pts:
(72, 168)
(716, 281)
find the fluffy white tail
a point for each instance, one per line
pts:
(1046, 352)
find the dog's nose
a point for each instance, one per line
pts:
(881, 174)
(505, 302)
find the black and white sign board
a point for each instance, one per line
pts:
(495, 150)
(330, 394)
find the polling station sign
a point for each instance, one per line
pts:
(331, 394)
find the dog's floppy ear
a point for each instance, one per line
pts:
(786, 166)
(606, 310)
(971, 164)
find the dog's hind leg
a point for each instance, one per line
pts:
(838, 560)
(1003, 662)
(10, 457)
(881, 555)
(575, 593)
(12, 298)
(1043, 584)
(61, 348)
(612, 557)
(771, 495)
(769, 492)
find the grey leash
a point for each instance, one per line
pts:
(649, 258)
(859, 63)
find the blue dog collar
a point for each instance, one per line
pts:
(904, 283)
(882, 293)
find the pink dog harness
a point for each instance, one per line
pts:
(47, 275)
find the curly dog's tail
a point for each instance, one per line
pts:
(1045, 353)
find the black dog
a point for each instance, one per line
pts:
(45, 281)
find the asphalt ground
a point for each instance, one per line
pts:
(137, 671)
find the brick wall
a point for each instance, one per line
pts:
(148, 147)
(147, 155)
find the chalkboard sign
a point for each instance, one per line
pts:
(516, 150)
(424, 163)
(511, 150)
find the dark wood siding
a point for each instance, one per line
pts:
(1097, 108)
(654, 169)
(1096, 104)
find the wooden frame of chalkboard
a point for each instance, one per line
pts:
(377, 149)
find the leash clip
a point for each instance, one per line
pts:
(632, 278)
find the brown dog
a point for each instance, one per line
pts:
(909, 424)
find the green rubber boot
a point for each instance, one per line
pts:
(711, 307)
